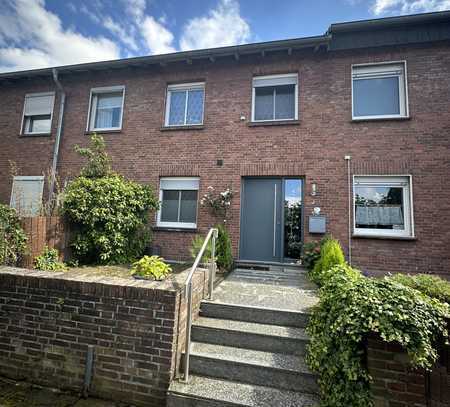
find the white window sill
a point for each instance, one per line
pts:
(273, 122)
(183, 127)
(35, 134)
(103, 131)
(381, 236)
(379, 118)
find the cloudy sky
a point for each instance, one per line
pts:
(42, 33)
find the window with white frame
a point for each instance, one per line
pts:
(383, 206)
(37, 113)
(178, 197)
(379, 91)
(106, 108)
(185, 104)
(26, 195)
(275, 97)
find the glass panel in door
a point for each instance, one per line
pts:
(292, 219)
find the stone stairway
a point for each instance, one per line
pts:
(248, 345)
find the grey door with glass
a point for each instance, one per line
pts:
(261, 222)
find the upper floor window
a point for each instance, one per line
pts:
(275, 98)
(106, 108)
(185, 104)
(383, 206)
(37, 113)
(178, 197)
(379, 91)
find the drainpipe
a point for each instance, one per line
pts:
(58, 133)
(349, 180)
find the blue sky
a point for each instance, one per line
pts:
(42, 33)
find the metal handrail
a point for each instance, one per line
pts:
(212, 235)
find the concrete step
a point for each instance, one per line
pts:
(249, 335)
(268, 316)
(209, 392)
(278, 370)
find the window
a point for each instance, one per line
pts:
(106, 108)
(26, 195)
(379, 91)
(383, 206)
(275, 98)
(178, 198)
(37, 113)
(185, 104)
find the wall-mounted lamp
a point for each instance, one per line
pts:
(313, 189)
(242, 118)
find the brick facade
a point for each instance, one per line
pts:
(137, 330)
(397, 384)
(314, 148)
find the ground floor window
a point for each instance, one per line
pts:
(178, 197)
(26, 195)
(382, 206)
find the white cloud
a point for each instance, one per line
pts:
(120, 32)
(380, 7)
(222, 26)
(159, 39)
(47, 42)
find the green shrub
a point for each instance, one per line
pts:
(331, 254)
(48, 260)
(197, 243)
(152, 267)
(13, 240)
(109, 213)
(352, 306)
(432, 286)
(223, 249)
(310, 254)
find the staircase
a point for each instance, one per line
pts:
(245, 353)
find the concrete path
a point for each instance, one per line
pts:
(285, 288)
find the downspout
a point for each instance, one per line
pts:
(349, 181)
(58, 134)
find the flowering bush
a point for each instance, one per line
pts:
(218, 203)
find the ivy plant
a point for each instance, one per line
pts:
(13, 240)
(351, 307)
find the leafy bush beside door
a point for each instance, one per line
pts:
(13, 240)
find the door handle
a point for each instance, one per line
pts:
(275, 221)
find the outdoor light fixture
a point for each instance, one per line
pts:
(313, 189)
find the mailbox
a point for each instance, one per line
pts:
(317, 224)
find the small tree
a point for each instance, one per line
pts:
(109, 213)
(13, 240)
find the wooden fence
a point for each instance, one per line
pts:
(51, 231)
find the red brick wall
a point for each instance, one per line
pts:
(137, 331)
(313, 149)
(397, 384)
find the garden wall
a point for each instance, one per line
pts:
(44, 231)
(396, 384)
(47, 321)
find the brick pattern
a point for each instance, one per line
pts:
(397, 384)
(47, 323)
(313, 149)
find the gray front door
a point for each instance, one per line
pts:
(261, 225)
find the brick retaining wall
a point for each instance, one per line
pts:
(397, 384)
(47, 321)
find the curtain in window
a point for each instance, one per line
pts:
(109, 109)
(285, 102)
(379, 215)
(194, 114)
(177, 107)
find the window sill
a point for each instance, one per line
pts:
(381, 119)
(35, 135)
(274, 123)
(381, 237)
(168, 229)
(187, 127)
(112, 131)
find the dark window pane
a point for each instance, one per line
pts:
(188, 209)
(169, 206)
(376, 97)
(195, 107)
(378, 207)
(292, 218)
(264, 103)
(285, 102)
(177, 107)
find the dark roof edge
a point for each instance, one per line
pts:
(243, 49)
(379, 23)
